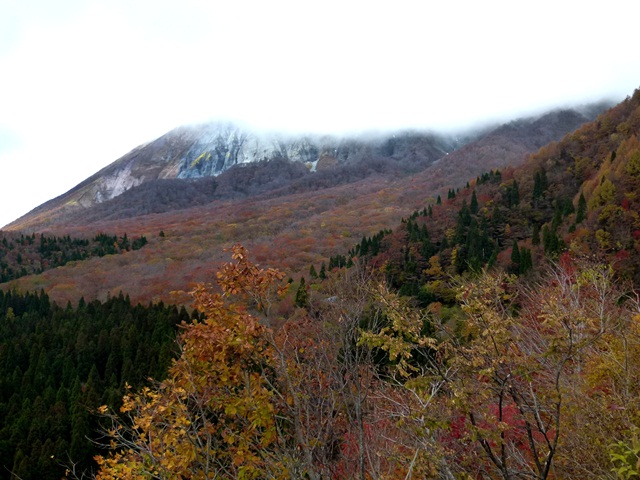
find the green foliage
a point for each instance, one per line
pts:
(581, 211)
(540, 185)
(302, 295)
(323, 271)
(604, 194)
(473, 204)
(551, 241)
(489, 177)
(511, 195)
(626, 459)
(57, 363)
(368, 246)
(312, 272)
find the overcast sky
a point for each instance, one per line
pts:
(83, 82)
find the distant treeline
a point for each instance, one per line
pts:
(30, 254)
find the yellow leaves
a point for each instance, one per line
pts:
(402, 335)
(216, 393)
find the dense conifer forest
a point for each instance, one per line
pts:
(58, 363)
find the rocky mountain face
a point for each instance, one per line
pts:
(197, 164)
(210, 149)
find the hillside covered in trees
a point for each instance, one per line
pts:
(22, 255)
(492, 333)
(534, 380)
(579, 195)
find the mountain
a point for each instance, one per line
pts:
(206, 151)
(284, 212)
(195, 165)
(572, 202)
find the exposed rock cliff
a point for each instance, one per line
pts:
(210, 149)
(195, 158)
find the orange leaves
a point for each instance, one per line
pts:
(248, 280)
(214, 417)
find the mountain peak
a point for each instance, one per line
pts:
(209, 150)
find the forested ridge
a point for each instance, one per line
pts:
(494, 333)
(579, 195)
(22, 255)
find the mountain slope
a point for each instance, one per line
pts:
(575, 200)
(206, 151)
(193, 166)
(287, 216)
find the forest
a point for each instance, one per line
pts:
(517, 380)
(58, 363)
(493, 333)
(37, 254)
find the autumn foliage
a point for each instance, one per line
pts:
(525, 381)
(214, 416)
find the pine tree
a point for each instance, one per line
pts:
(535, 235)
(581, 212)
(526, 263)
(464, 214)
(515, 257)
(514, 196)
(323, 272)
(540, 184)
(312, 272)
(302, 296)
(473, 206)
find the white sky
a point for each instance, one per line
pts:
(83, 82)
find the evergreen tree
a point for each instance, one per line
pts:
(464, 214)
(526, 263)
(323, 272)
(515, 258)
(514, 195)
(557, 215)
(581, 212)
(540, 185)
(312, 272)
(473, 205)
(302, 296)
(535, 235)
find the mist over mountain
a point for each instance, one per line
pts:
(195, 165)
